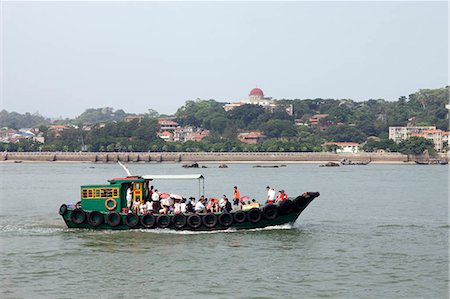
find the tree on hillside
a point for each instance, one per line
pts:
(384, 144)
(97, 115)
(16, 120)
(244, 115)
(277, 128)
(343, 133)
(416, 146)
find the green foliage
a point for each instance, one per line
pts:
(98, 115)
(16, 120)
(384, 144)
(343, 133)
(416, 146)
(276, 128)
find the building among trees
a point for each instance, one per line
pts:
(256, 97)
(399, 134)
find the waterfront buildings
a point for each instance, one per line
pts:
(252, 137)
(398, 134)
(344, 147)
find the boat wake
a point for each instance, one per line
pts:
(226, 231)
(32, 229)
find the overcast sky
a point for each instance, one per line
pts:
(60, 58)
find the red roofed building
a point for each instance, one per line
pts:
(315, 119)
(344, 147)
(256, 97)
(167, 125)
(251, 137)
(436, 137)
(166, 136)
(445, 137)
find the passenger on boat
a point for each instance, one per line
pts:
(165, 205)
(129, 197)
(200, 205)
(136, 206)
(146, 192)
(212, 205)
(270, 194)
(236, 196)
(190, 206)
(183, 205)
(281, 196)
(227, 205)
(148, 207)
(155, 201)
(177, 207)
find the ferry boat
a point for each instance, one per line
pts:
(105, 207)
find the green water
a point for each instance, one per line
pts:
(375, 231)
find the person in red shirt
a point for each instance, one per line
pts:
(282, 195)
(236, 196)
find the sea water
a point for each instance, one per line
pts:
(376, 231)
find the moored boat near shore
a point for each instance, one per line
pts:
(105, 207)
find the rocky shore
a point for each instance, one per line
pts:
(206, 157)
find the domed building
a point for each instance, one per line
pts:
(256, 95)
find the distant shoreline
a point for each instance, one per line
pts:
(210, 157)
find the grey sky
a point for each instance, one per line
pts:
(60, 58)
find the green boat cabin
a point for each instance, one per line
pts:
(112, 197)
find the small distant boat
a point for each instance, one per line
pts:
(192, 165)
(269, 166)
(223, 166)
(330, 164)
(432, 162)
(346, 161)
(17, 161)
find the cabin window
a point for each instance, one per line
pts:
(99, 192)
(87, 193)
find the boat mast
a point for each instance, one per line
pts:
(125, 168)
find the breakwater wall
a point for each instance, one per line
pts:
(189, 157)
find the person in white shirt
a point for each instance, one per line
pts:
(177, 207)
(155, 201)
(270, 194)
(129, 197)
(200, 206)
(183, 206)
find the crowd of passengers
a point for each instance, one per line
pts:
(163, 203)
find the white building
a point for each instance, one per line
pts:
(398, 134)
(256, 97)
(344, 147)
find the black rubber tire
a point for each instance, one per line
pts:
(225, 219)
(210, 220)
(131, 220)
(113, 219)
(163, 221)
(254, 215)
(179, 221)
(148, 220)
(270, 212)
(286, 207)
(78, 216)
(62, 209)
(240, 216)
(194, 221)
(95, 218)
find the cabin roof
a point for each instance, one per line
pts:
(173, 177)
(126, 179)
